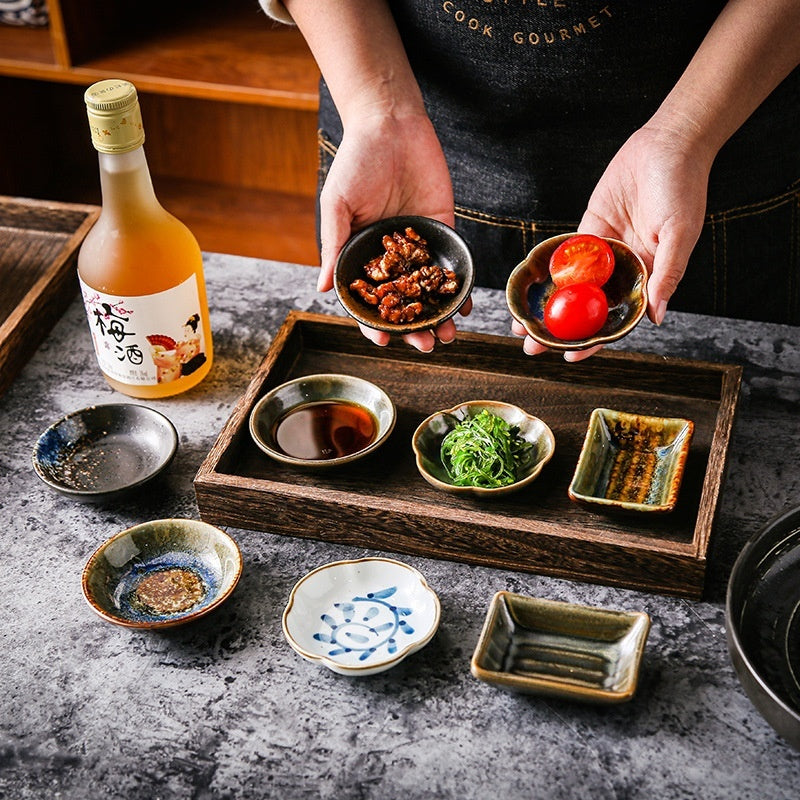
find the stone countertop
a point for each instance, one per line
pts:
(224, 708)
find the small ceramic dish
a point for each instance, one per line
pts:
(161, 573)
(548, 647)
(631, 462)
(322, 420)
(361, 617)
(448, 250)
(762, 622)
(103, 452)
(427, 445)
(529, 288)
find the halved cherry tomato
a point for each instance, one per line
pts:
(583, 258)
(576, 311)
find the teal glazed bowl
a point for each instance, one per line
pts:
(631, 462)
(529, 288)
(161, 573)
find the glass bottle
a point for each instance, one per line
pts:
(140, 268)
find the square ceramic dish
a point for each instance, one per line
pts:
(548, 647)
(631, 462)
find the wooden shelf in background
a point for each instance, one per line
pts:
(229, 100)
(245, 222)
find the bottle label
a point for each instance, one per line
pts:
(149, 339)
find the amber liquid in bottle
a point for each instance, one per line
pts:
(140, 268)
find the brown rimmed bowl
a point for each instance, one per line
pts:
(162, 573)
(529, 288)
(448, 250)
(427, 443)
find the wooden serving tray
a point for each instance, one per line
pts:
(39, 243)
(382, 502)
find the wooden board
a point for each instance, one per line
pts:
(39, 243)
(382, 502)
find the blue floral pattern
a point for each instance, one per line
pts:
(365, 625)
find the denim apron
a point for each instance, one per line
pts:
(532, 98)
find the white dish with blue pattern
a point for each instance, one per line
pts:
(361, 617)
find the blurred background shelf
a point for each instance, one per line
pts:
(229, 104)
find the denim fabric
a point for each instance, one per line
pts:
(532, 98)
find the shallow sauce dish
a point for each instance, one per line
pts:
(360, 617)
(161, 573)
(447, 248)
(762, 622)
(322, 443)
(427, 443)
(102, 452)
(548, 647)
(631, 462)
(529, 288)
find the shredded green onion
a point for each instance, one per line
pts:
(484, 451)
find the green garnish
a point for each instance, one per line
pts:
(484, 451)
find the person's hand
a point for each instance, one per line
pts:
(652, 196)
(384, 167)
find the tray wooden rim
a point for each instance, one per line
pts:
(689, 558)
(28, 324)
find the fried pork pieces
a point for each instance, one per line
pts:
(403, 282)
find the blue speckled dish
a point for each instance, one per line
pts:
(631, 462)
(161, 573)
(360, 617)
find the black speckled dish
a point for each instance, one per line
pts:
(161, 573)
(103, 452)
(631, 462)
(548, 647)
(763, 622)
(529, 288)
(447, 249)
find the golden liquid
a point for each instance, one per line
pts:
(137, 248)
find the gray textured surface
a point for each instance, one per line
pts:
(224, 708)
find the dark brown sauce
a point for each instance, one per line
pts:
(324, 430)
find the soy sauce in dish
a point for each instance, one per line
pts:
(324, 430)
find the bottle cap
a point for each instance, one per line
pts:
(115, 119)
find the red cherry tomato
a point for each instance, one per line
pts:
(582, 259)
(576, 311)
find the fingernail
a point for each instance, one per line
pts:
(319, 282)
(661, 312)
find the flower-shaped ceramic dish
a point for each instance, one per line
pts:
(161, 573)
(361, 617)
(102, 452)
(763, 624)
(529, 288)
(548, 647)
(447, 249)
(631, 462)
(355, 419)
(427, 445)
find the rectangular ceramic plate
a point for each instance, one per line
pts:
(632, 462)
(382, 502)
(535, 646)
(39, 243)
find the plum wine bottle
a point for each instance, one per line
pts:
(140, 269)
